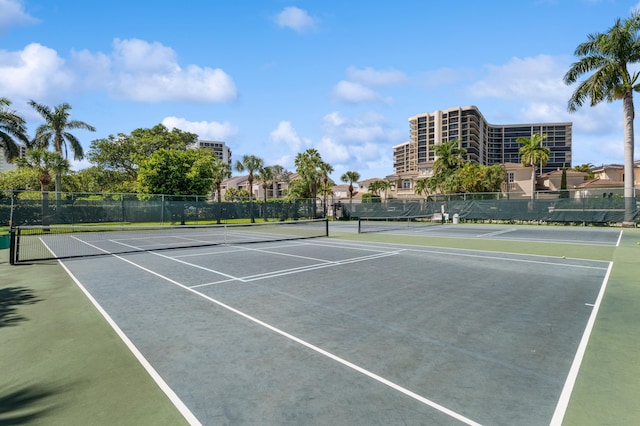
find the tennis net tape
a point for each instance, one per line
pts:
(393, 223)
(35, 243)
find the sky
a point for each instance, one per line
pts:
(272, 78)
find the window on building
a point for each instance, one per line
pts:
(406, 184)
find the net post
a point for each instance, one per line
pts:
(12, 246)
(326, 224)
(359, 225)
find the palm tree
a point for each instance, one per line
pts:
(280, 175)
(220, 171)
(251, 164)
(607, 57)
(325, 170)
(54, 132)
(531, 152)
(45, 162)
(450, 157)
(307, 165)
(266, 175)
(350, 177)
(12, 127)
(423, 186)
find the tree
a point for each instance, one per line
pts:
(563, 184)
(266, 175)
(325, 169)
(173, 172)
(532, 152)
(606, 57)
(585, 168)
(55, 132)
(20, 179)
(308, 167)
(378, 186)
(450, 157)
(12, 128)
(251, 164)
(423, 186)
(235, 194)
(123, 154)
(350, 177)
(45, 162)
(220, 171)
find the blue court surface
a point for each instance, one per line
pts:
(326, 331)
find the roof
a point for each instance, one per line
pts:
(601, 183)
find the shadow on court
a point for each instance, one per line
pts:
(26, 404)
(10, 299)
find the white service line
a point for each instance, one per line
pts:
(492, 234)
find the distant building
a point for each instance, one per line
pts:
(5, 166)
(485, 143)
(223, 152)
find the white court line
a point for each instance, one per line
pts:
(619, 239)
(492, 234)
(563, 402)
(314, 348)
(173, 397)
(457, 252)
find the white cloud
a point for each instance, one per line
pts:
(149, 72)
(287, 134)
(12, 14)
(295, 18)
(371, 77)
(539, 77)
(135, 70)
(333, 151)
(355, 92)
(206, 130)
(36, 72)
(358, 143)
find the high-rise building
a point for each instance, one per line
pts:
(485, 143)
(223, 152)
(4, 165)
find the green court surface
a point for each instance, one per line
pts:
(64, 364)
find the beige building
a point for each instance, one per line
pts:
(485, 144)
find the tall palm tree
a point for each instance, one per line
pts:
(450, 157)
(307, 165)
(532, 152)
(325, 169)
(55, 132)
(267, 176)
(606, 57)
(46, 162)
(252, 165)
(12, 128)
(220, 171)
(350, 177)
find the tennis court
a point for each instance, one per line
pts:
(331, 331)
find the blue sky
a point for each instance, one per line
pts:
(272, 78)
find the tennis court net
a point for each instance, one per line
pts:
(395, 223)
(36, 243)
